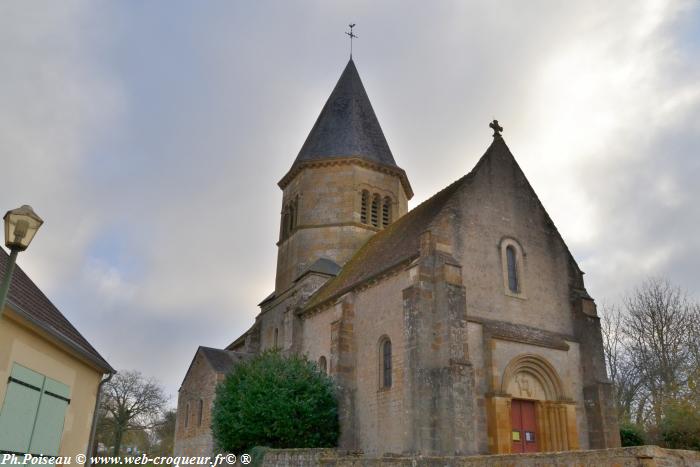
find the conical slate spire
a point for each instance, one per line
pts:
(347, 126)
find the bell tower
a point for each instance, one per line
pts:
(343, 186)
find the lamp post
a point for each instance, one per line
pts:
(21, 225)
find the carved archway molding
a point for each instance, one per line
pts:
(535, 379)
(541, 370)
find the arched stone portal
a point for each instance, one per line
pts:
(530, 380)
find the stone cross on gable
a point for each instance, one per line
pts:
(497, 129)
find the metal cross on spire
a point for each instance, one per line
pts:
(352, 36)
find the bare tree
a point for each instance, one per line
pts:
(693, 386)
(131, 402)
(656, 325)
(623, 372)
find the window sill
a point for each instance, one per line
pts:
(520, 296)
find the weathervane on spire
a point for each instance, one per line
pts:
(497, 129)
(352, 36)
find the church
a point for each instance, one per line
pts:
(462, 326)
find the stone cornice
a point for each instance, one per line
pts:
(344, 160)
(330, 224)
(508, 331)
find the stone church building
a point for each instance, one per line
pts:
(462, 326)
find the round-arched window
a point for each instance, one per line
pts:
(385, 363)
(511, 261)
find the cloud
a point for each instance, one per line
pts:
(55, 105)
(107, 281)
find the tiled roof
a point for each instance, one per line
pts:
(322, 266)
(223, 360)
(28, 300)
(347, 126)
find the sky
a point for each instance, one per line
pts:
(150, 136)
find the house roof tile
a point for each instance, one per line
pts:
(27, 299)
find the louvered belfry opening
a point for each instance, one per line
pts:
(290, 218)
(363, 208)
(386, 212)
(375, 211)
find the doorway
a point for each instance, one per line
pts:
(523, 423)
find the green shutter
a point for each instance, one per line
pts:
(48, 428)
(19, 409)
(32, 414)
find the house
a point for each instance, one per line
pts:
(49, 375)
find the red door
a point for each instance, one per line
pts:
(522, 416)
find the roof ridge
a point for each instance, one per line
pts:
(224, 350)
(206, 347)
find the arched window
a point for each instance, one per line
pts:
(187, 415)
(513, 268)
(322, 365)
(511, 261)
(364, 207)
(296, 211)
(276, 337)
(385, 363)
(386, 212)
(375, 211)
(292, 214)
(290, 218)
(201, 412)
(285, 224)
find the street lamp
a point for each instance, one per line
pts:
(21, 225)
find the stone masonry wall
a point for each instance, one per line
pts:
(380, 411)
(377, 313)
(316, 335)
(499, 208)
(441, 381)
(195, 438)
(640, 456)
(371, 314)
(328, 223)
(279, 314)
